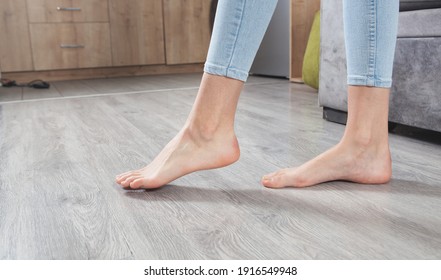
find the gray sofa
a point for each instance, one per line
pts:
(416, 89)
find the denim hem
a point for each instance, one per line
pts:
(226, 71)
(369, 81)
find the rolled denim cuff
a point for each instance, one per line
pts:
(225, 71)
(369, 81)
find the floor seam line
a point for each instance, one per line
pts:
(113, 94)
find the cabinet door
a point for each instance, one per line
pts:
(41, 11)
(70, 45)
(187, 30)
(302, 16)
(15, 47)
(137, 32)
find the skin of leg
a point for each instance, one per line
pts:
(206, 141)
(362, 155)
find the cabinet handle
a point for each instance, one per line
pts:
(68, 46)
(68, 9)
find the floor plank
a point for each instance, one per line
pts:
(109, 86)
(33, 93)
(73, 88)
(10, 94)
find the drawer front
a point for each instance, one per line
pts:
(41, 11)
(70, 45)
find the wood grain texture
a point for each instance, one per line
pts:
(58, 198)
(187, 30)
(137, 32)
(302, 16)
(45, 11)
(48, 54)
(15, 46)
(52, 218)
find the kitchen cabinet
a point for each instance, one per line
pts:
(187, 31)
(137, 32)
(15, 46)
(75, 39)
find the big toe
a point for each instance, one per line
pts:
(146, 183)
(138, 183)
(274, 180)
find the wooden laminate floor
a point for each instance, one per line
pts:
(58, 198)
(101, 87)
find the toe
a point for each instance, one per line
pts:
(277, 179)
(273, 180)
(266, 179)
(270, 175)
(129, 180)
(137, 183)
(146, 183)
(125, 176)
(125, 173)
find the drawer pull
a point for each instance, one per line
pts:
(68, 46)
(69, 9)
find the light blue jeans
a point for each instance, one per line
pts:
(370, 36)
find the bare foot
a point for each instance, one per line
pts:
(186, 153)
(359, 164)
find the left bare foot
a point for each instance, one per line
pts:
(186, 153)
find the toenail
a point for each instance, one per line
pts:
(267, 179)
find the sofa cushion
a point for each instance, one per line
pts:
(415, 93)
(410, 5)
(417, 24)
(311, 60)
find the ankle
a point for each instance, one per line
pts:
(222, 143)
(207, 133)
(365, 140)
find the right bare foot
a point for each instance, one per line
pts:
(364, 164)
(189, 151)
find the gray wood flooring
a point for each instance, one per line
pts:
(58, 198)
(96, 87)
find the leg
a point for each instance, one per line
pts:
(207, 140)
(362, 155)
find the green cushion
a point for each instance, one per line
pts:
(310, 70)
